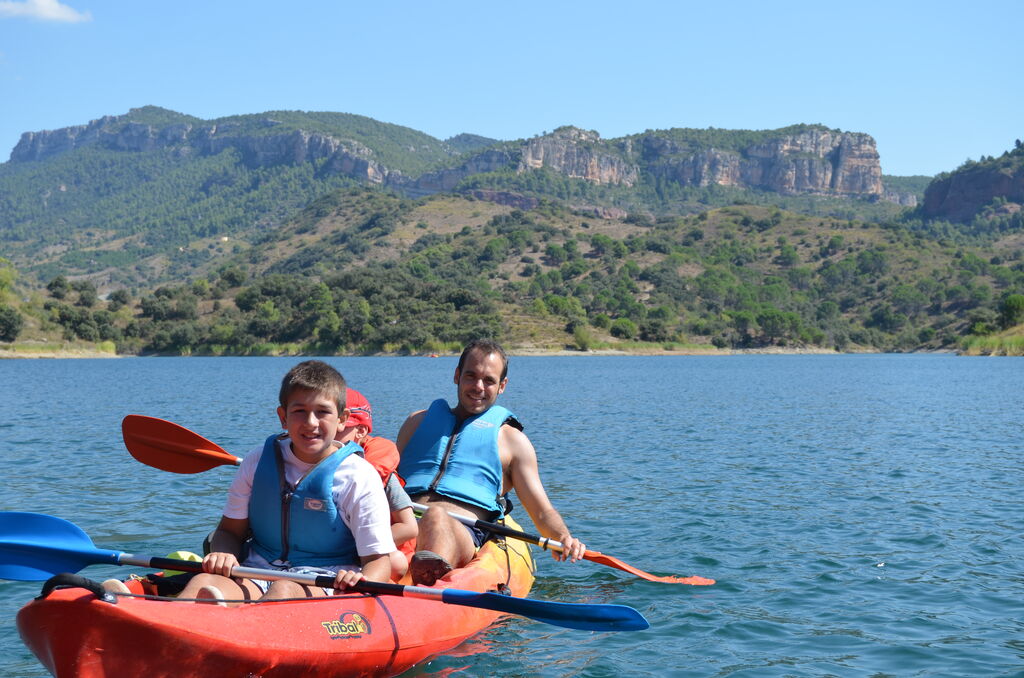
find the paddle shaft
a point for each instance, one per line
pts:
(503, 530)
(580, 616)
(321, 580)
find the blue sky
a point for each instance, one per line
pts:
(933, 82)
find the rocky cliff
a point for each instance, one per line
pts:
(578, 154)
(817, 161)
(288, 147)
(799, 160)
(961, 195)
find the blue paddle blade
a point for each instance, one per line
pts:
(35, 546)
(584, 617)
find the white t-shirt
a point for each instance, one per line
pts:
(357, 491)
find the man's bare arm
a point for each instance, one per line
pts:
(405, 433)
(524, 475)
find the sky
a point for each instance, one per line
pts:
(934, 82)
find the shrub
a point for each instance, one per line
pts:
(624, 328)
(11, 323)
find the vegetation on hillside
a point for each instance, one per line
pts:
(688, 140)
(361, 271)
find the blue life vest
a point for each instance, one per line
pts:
(456, 459)
(299, 525)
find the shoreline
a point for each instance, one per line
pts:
(79, 353)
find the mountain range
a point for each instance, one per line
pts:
(123, 188)
(213, 236)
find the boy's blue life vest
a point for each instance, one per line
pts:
(299, 525)
(456, 459)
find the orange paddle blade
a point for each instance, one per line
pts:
(598, 557)
(165, 445)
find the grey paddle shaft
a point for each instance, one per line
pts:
(497, 528)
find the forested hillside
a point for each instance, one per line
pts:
(365, 271)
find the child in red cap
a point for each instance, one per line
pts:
(383, 455)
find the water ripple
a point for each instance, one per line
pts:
(862, 514)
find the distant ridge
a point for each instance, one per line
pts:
(810, 159)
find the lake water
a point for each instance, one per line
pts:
(863, 515)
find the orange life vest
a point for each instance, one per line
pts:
(383, 454)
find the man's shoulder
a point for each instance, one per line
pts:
(512, 437)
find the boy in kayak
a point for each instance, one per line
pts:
(312, 505)
(464, 459)
(383, 455)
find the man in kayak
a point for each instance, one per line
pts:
(464, 459)
(383, 455)
(312, 505)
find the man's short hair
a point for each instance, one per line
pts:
(316, 376)
(487, 347)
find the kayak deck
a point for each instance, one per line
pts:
(75, 634)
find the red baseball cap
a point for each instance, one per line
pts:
(359, 410)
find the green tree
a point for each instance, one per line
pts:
(87, 295)
(58, 287)
(872, 263)
(11, 323)
(118, 299)
(909, 300)
(623, 328)
(787, 257)
(1011, 311)
(778, 325)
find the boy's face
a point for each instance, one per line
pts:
(312, 421)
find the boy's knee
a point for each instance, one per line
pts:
(285, 589)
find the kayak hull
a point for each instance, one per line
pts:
(75, 634)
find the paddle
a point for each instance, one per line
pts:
(165, 445)
(551, 544)
(35, 546)
(170, 447)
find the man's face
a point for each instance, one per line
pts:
(312, 421)
(479, 382)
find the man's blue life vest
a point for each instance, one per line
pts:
(299, 525)
(456, 459)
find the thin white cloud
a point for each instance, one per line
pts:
(44, 10)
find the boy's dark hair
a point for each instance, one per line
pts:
(487, 347)
(317, 376)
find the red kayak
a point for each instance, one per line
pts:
(75, 633)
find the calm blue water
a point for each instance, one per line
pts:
(863, 515)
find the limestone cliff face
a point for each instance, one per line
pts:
(815, 161)
(961, 195)
(568, 151)
(343, 156)
(41, 145)
(901, 198)
(580, 155)
(790, 161)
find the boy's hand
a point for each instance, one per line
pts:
(346, 578)
(220, 563)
